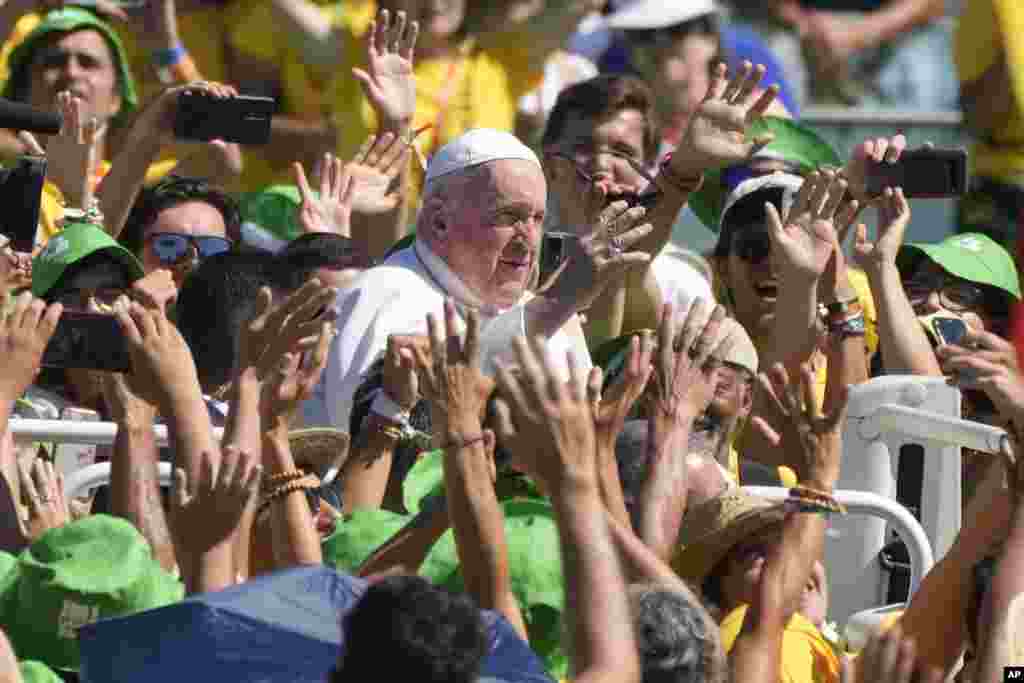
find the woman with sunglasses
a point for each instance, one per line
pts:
(179, 222)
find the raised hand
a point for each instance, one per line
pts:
(601, 256)
(812, 439)
(554, 419)
(274, 329)
(156, 290)
(887, 657)
(332, 210)
(893, 218)
(15, 268)
(452, 378)
(42, 489)
(162, 364)
(206, 512)
(804, 241)
(611, 408)
(985, 362)
(25, 330)
(684, 377)
(374, 171)
(871, 151)
(292, 381)
(72, 153)
(389, 82)
(717, 133)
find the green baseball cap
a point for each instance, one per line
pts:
(97, 567)
(270, 217)
(799, 147)
(37, 672)
(971, 256)
(70, 245)
(358, 534)
(66, 20)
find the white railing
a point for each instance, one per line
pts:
(863, 503)
(89, 433)
(81, 482)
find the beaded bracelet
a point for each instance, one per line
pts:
(282, 478)
(307, 483)
(802, 494)
(854, 326)
(813, 506)
(453, 446)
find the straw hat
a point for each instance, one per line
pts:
(715, 527)
(320, 449)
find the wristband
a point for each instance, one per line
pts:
(854, 326)
(183, 71)
(453, 446)
(169, 57)
(841, 307)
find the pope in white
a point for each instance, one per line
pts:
(478, 235)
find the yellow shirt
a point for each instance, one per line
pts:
(477, 88)
(51, 209)
(806, 656)
(986, 30)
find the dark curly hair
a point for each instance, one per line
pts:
(425, 632)
(170, 192)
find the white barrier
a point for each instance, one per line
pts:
(80, 482)
(68, 431)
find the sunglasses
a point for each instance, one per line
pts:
(172, 247)
(752, 246)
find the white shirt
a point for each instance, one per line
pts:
(394, 298)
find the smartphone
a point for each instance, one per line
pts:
(553, 252)
(88, 341)
(644, 199)
(928, 172)
(71, 457)
(244, 119)
(21, 191)
(948, 330)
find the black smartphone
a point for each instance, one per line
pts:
(645, 199)
(553, 252)
(244, 119)
(88, 341)
(948, 330)
(928, 172)
(21, 192)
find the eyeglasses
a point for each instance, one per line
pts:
(581, 160)
(753, 245)
(172, 247)
(955, 295)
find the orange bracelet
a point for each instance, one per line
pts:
(306, 483)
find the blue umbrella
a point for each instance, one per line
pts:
(278, 627)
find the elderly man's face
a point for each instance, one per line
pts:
(80, 62)
(493, 228)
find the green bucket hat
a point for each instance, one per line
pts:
(801, 148)
(66, 20)
(73, 243)
(535, 564)
(9, 575)
(270, 217)
(37, 672)
(91, 569)
(971, 256)
(358, 534)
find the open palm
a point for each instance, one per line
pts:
(804, 241)
(716, 136)
(388, 80)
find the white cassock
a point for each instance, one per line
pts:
(394, 298)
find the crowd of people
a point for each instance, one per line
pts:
(436, 333)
